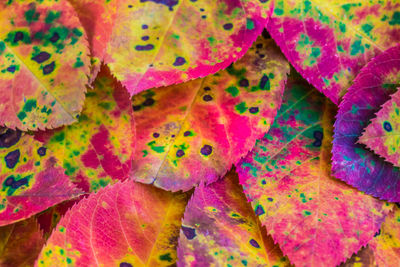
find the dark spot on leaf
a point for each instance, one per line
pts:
(254, 243)
(377, 233)
(9, 181)
(259, 210)
(148, 102)
(156, 135)
(228, 26)
(207, 98)
(18, 37)
(9, 138)
(136, 107)
(12, 158)
(169, 3)
(55, 37)
(180, 153)
(41, 57)
(11, 69)
(19, 183)
(125, 264)
(190, 233)
(49, 68)
(244, 83)
(179, 61)
(41, 151)
(144, 47)
(253, 110)
(206, 150)
(264, 82)
(387, 126)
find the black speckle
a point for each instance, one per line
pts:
(41, 57)
(41, 151)
(180, 153)
(173, 136)
(203, 16)
(254, 243)
(206, 150)
(144, 47)
(148, 102)
(261, 56)
(253, 110)
(145, 38)
(9, 181)
(244, 83)
(207, 98)
(387, 126)
(263, 82)
(125, 264)
(18, 37)
(179, 61)
(144, 26)
(12, 158)
(259, 45)
(11, 69)
(259, 210)
(187, 133)
(190, 233)
(9, 138)
(136, 107)
(228, 26)
(55, 37)
(207, 88)
(318, 135)
(49, 68)
(19, 183)
(130, 6)
(156, 135)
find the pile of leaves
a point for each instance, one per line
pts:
(199, 133)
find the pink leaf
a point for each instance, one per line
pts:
(220, 229)
(316, 219)
(126, 224)
(328, 42)
(159, 43)
(193, 132)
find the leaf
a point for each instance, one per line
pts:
(158, 43)
(220, 229)
(31, 180)
(49, 218)
(386, 245)
(364, 258)
(193, 132)
(20, 243)
(99, 148)
(97, 17)
(328, 42)
(126, 224)
(352, 162)
(316, 219)
(382, 134)
(43, 64)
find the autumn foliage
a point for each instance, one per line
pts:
(199, 133)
